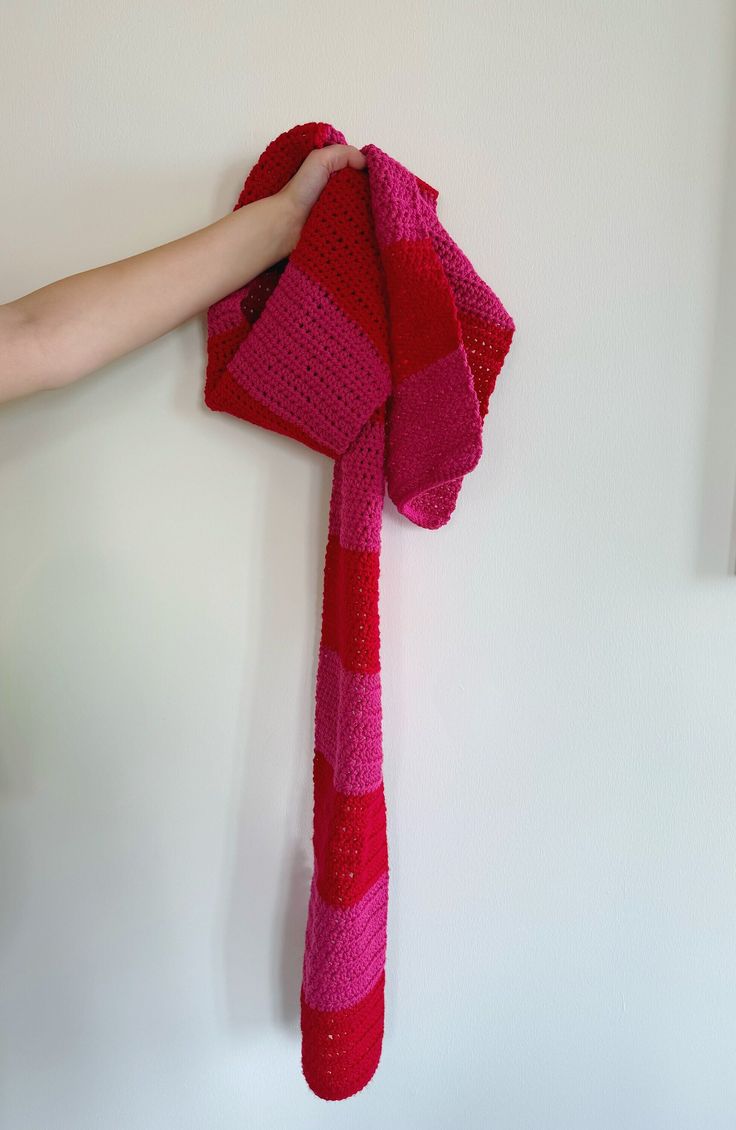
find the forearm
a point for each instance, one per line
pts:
(73, 326)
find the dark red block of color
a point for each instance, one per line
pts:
(350, 607)
(349, 838)
(341, 1049)
(424, 322)
(486, 346)
(338, 250)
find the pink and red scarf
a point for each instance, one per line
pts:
(377, 344)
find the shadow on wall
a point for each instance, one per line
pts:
(265, 894)
(716, 549)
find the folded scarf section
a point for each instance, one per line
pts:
(376, 344)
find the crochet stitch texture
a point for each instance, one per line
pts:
(377, 344)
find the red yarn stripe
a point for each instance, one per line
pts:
(350, 606)
(486, 346)
(338, 246)
(424, 323)
(349, 838)
(341, 1049)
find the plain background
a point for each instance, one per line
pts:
(559, 661)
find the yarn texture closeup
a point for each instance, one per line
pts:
(376, 344)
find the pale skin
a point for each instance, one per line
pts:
(69, 328)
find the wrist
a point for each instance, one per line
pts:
(288, 222)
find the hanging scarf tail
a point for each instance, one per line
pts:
(342, 998)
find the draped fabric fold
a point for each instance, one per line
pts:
(376, 344)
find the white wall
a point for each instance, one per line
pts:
(559, 661)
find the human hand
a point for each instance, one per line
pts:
(301, 192)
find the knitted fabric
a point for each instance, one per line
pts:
(375, 343)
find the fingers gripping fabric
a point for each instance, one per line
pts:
(376, 344)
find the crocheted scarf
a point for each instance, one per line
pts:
(375, 343)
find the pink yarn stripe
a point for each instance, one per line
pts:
(347, 729)
(307, 331)
(405, 212)
(356, 503)
(345, 949)
(426, 472)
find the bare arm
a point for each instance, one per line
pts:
(67, 329)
